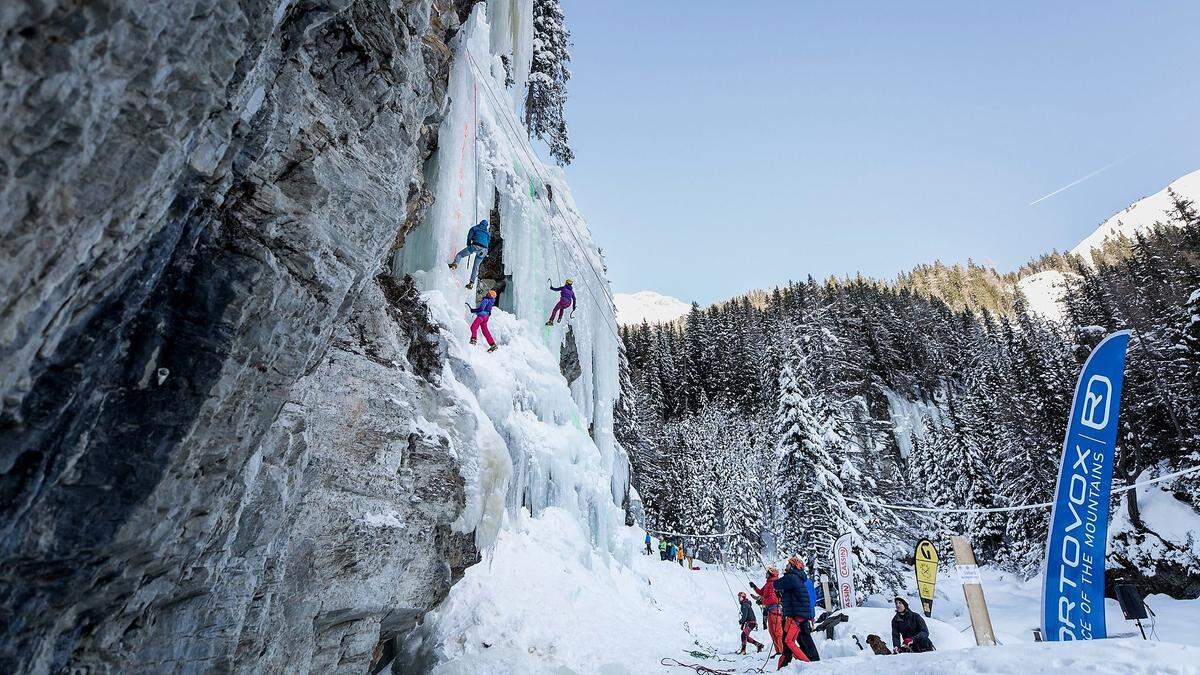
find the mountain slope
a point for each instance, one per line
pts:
(633, 308)
(1140, 215)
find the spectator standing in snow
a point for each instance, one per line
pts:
(689, 552)
(797, 614)
(772, 610)
(747, 622)
(671, 549)
(482, 313)
(679, 554)
(909, 632)
(662, 549)
(477, 243)
(647, 543)
(566, 298)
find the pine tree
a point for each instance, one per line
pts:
(546, 95)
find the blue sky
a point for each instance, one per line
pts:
(728, 146)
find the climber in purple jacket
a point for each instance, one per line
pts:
(566, 299)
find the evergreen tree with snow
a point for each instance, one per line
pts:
(546, 94)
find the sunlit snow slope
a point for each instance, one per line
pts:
(1140, 215)
(634, 308)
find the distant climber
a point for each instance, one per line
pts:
(566, 299)
(482, 313)
(477, 243)
(909, 632)
(772, 608)
(797, 614)
(747, 622)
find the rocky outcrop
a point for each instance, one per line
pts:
(223, 441)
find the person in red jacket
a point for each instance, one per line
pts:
(770, 601)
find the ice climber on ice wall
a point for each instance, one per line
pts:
(566, 299)
(478, 239)
(482, 313)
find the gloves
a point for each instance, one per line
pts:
(907, 641)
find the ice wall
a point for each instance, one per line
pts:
(559, 443)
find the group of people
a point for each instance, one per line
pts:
(478, 238)
(674, 551)
(789, 610)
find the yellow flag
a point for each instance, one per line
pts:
(927, 562)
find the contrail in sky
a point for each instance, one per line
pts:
(1097, 172)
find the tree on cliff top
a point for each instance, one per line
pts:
(547, 88)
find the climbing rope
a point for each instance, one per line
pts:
(705, 670)
(1023, 507)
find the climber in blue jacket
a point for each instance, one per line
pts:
(477, 243)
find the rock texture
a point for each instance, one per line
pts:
(223, 440)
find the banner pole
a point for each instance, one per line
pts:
(968, 572)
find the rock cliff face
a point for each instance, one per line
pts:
(223, 436)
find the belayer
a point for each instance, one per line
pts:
(566, 299)
(747, 622)
(909, 632)
(482, 313)
(477, 243)
(773, 612)
(797, 614)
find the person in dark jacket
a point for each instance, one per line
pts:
(747, 622)
(566, 298)
(477, 243)
(909, 632)
(797, 614)
(772, 610)
(482, 313)
(647, 543)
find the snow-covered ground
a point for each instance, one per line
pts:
(545, 601)
(1140, 215)
(633, 308)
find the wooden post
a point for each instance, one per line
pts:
(968, 573)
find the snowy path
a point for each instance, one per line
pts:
(544, 601)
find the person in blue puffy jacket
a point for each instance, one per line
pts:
(477, 244)
(797, 614)
(482, 313)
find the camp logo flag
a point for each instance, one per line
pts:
(843, 565)
(927, 562)
(1073, 590)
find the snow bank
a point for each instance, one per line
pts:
(1110, 656)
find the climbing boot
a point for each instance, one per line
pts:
(743, 652)
(760, 649)
(453, 265)
(473, 341)
(550, 322)
(493, 348)
(470, 284)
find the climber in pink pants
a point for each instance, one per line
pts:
(482, 313)
(566, 299)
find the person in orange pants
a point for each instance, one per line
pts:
(770, 601)
(797, 614)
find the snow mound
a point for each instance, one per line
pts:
(1045, 291)
(633, 308)
(1140, 215)
(1099, 656)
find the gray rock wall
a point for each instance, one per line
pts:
(218, 445)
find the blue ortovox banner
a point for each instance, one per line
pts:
(1073, 591)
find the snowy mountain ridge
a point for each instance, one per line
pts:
(1140, 215)
(649, 306)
